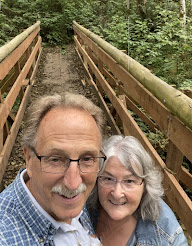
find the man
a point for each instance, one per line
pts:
(62, 144)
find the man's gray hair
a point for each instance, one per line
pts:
(134, 157)
(43, 105)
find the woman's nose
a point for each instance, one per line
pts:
(117, 191)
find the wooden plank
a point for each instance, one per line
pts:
(1, 140)
(8, 81)
(32, 79)
(179, 201)
(174, 160)
(11, 97)
(140, 114)
(112, 81)
(1, 130)
(5, 128)
(10, 61)
(174, 188)
(186, 177)
(5, 154)
(180, 135)
(109, 117)
(25, 82)
(86, 69)
(123, 100)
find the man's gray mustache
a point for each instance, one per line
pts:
(64, 191)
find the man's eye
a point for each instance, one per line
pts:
(54, 159)
(87, 159)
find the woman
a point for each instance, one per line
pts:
(130, 210)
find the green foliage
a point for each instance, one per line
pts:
(160, 43)
(152, 34)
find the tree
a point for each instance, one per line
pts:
(182, 13)
(141, 5)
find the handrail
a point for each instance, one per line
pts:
(177, 102)
(6, 49)
(19, 60)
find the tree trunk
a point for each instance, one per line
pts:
(182, 13)
(141, 6)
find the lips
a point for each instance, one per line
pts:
(70, 197)
(69, 200)
(117, 203)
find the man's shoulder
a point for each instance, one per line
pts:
(8, 210)
(7, 200)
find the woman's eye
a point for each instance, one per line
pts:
(129, 181)
(108, 178)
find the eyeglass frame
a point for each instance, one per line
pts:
(39, 157)
(115, 181)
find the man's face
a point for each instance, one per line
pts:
(73, 134)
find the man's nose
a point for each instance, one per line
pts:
(117, 191)
(72, 177)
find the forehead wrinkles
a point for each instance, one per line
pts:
(71, 124)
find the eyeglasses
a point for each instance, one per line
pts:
(126, 184)
(59, 164)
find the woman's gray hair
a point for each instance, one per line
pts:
(134, 157)
(43, 105)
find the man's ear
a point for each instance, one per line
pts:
(28, 159)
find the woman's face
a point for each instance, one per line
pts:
(116, 201)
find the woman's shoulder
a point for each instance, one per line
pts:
(167, 218)
(166, 229)
(169, 227)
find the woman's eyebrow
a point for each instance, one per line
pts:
(125, 177)
(107, 173)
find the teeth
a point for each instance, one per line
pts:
(116, 203)
(67, 196)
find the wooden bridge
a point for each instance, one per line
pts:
(124, 87)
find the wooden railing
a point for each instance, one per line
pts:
(18, 65)
(122, 84)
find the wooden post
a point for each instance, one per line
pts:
(125, 129)
(174, 160)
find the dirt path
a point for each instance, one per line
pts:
(57, 73)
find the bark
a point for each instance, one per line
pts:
(182, 13)
(141, 6)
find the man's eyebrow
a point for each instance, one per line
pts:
(57, 151)
(54, 151)
(90, 152)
